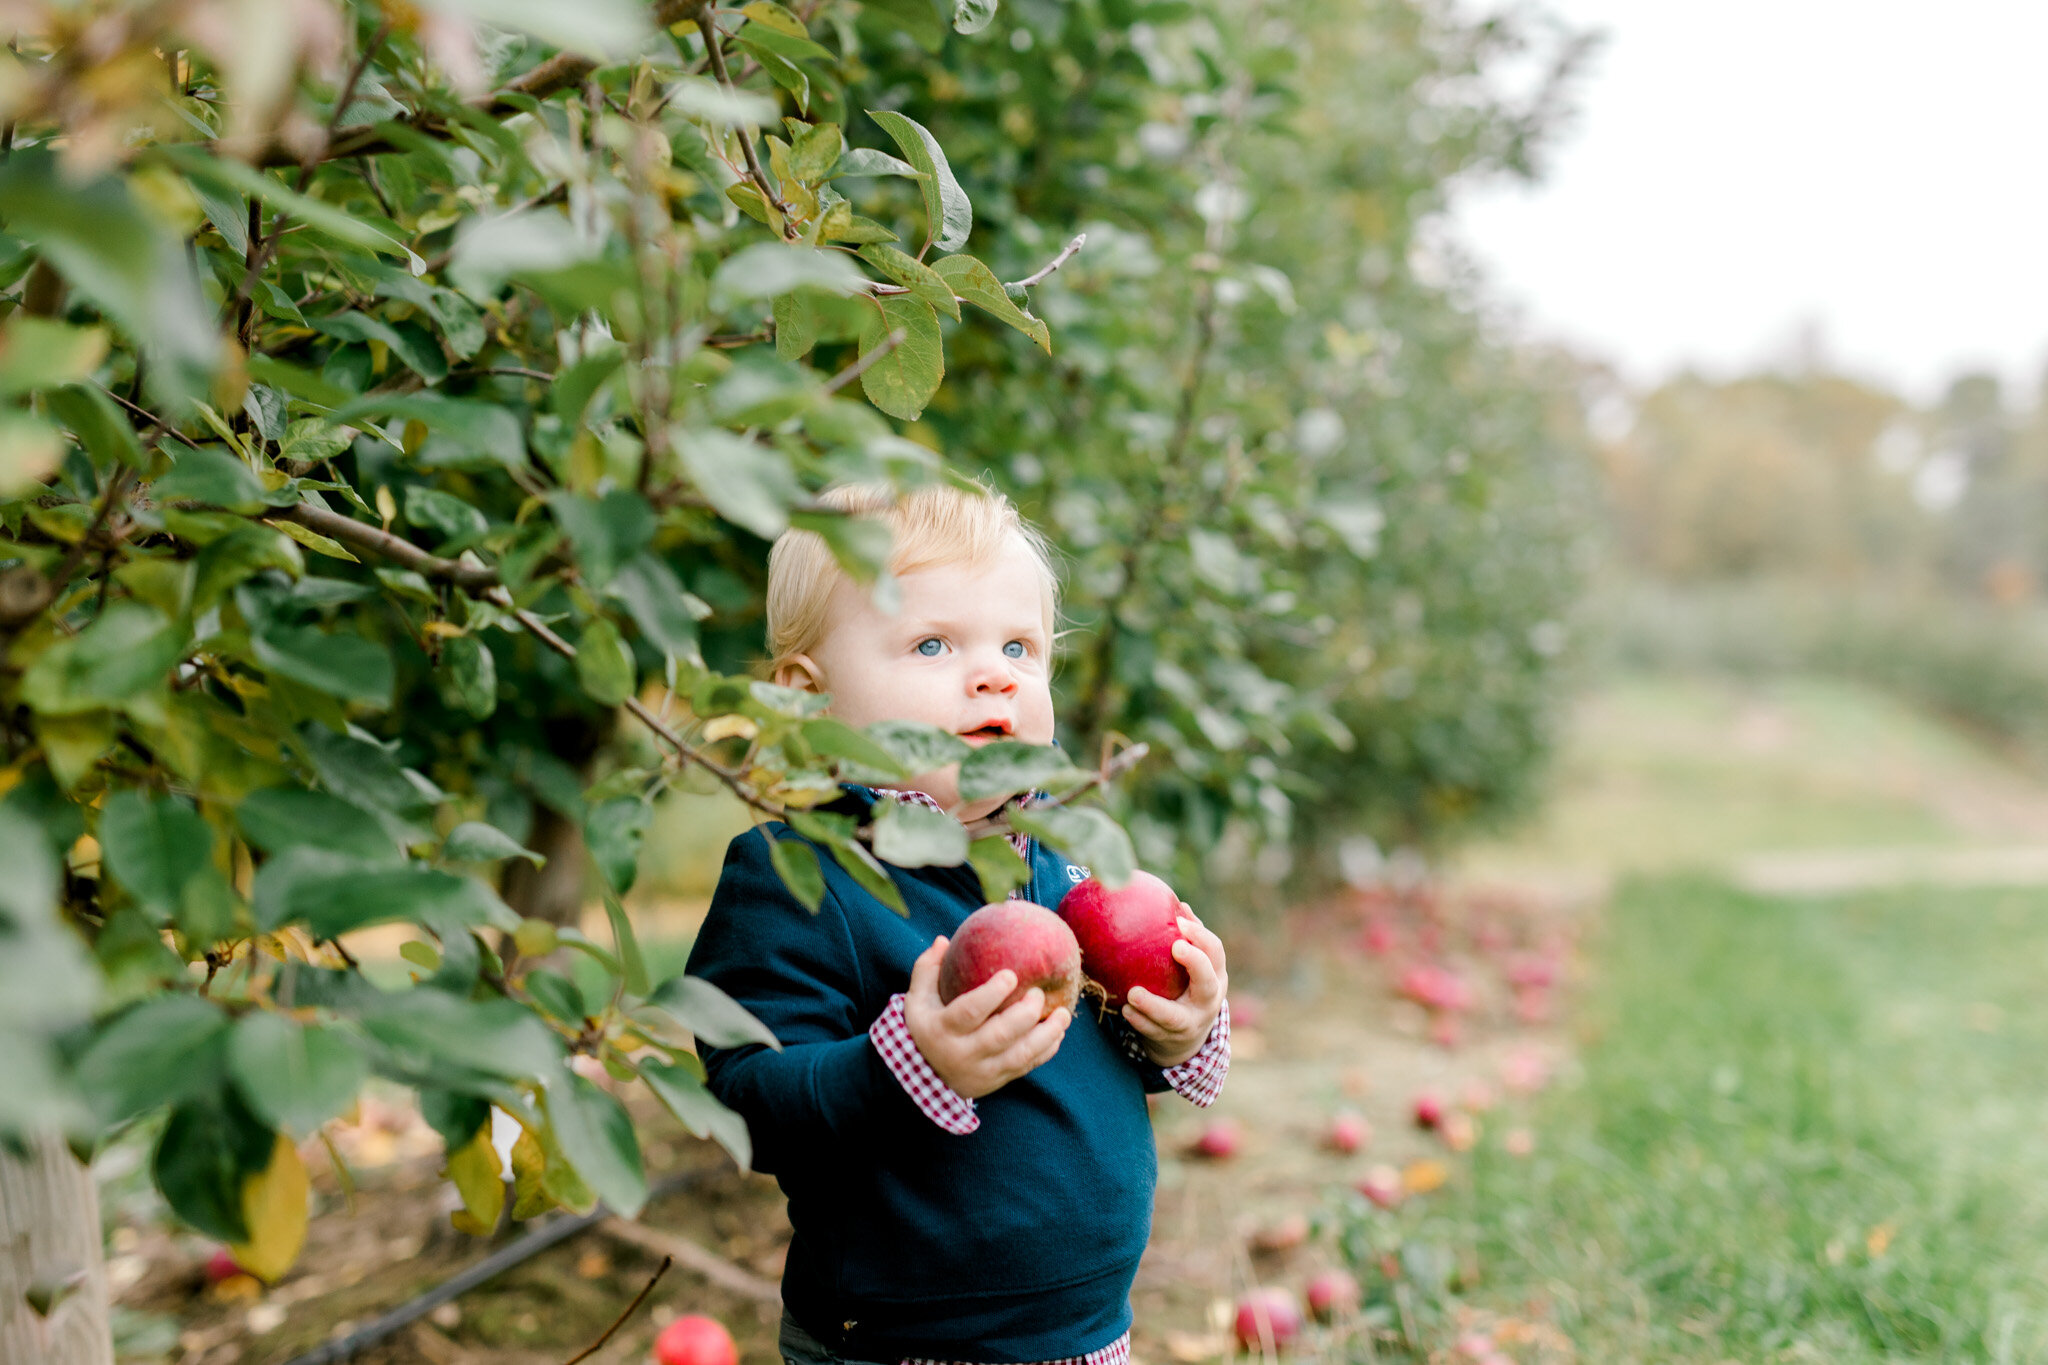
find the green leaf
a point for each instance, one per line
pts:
(996, 862)
(228, 174)
(332, 895)
(714, 1018)
(796, 863)
(862, 161)
(815, 152)
(342, 664)
(473, 841)
(416, 349)
(604, 666)
(569, 396)
(99, 426)
(558, 995)
(300, 383)
(294, 1076)
(632, 964)
(428, 1032)
(127, 650)
(724, 105)
(596, 1135)
(161, 1052)
(459, 524)
(1006, 767)
(796, 326)
(46, 979)
(154, 845)
(861, 545)
(209, 1148)
(209, 474)
(36, 353)
(666, 614)
(916, 17)
(766, 269)
(972, 16)
(977, 284)
(920, 279)
(852, 856)
(771, 15)
(903, 381)
(1086, 835)
(208, 909)
(683, 1095)
(595, 28)
(836, 739)
(277, 818)
(750, 484)
(949, 217)
(613, 831)
(920, 748)
(468, 675)
(911, 835)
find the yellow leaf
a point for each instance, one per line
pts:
(727, 727)
(1421, 1177)
(443, 628)
(314, 541)
(770, 15)
(480, 1180)
(274, 1209)
(529, 1162)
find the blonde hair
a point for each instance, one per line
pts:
(936, 525)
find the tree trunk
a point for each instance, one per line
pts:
(50, 1256)
(554, 892)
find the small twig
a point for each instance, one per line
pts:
(638, 1299)
(860, 367)
(1080, 239)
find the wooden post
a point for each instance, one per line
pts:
(50, 1255)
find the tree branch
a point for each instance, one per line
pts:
(713, 41)
(362, 535)
(1080, 240)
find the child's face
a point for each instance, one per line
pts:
(967, 652)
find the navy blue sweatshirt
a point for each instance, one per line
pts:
(1016, 1242)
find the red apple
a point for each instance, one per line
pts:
(1028, 939)
(222, 1266)
(1127, 937)
(1330, 1294)
(695, 1340)
(1429, 1109)
(1219, 1140)
(1348, 1132)
(1265, 1317)
(1382, 1185)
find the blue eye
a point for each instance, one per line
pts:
(1014, 649)
(930, 647)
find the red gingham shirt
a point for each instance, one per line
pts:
(1199, 1079)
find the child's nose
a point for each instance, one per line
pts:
(992, 675)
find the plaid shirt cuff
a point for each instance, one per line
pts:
(1118, 1352)
(1199, 1079)
(938, 1101)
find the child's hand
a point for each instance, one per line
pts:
(972, 1046)
(1172, 1031)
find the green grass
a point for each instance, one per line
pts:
(1663, 772)
(1765, 1084)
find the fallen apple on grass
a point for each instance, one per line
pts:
(1127, 936)
(695, 1340)
(1347, 1133)
(1219, 1140)
(1382, 1185)
(1267, 1317)
(1029, 940)
(1331, 1294)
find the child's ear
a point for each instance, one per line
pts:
(801, 672)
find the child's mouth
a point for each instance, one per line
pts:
(992, 730)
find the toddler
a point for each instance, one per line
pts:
(966, 1183)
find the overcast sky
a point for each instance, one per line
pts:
(1742, 168)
